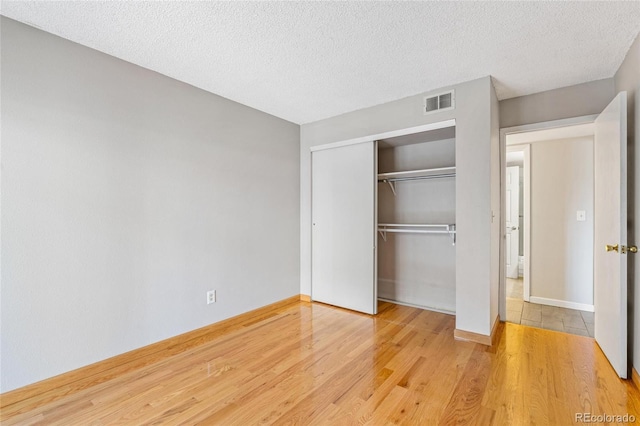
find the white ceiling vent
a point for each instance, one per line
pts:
(440, 102)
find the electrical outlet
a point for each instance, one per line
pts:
(211, 297)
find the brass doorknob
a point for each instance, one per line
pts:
(609, 247)
(632, 249)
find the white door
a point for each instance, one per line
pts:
(513, 221)
(610, 267)
(344, 221)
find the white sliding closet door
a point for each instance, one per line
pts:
(343, 215)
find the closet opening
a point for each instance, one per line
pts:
(416, 222)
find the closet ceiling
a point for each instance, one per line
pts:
(305, 61)
(413, 138)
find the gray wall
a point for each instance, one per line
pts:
(474, 256)
(566, 102)
(628, 78)
(126, 195)
(561, 247)
(497, 261)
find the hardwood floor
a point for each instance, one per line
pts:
(315, 364)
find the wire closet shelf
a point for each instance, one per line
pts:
(436, 173)
(423, 228)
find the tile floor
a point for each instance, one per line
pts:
(542, 316)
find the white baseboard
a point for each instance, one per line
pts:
(561, 303)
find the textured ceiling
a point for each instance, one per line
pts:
(304, 61)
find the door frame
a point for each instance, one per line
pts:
(504, 132)
(386, 135)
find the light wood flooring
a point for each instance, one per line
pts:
(310, 363)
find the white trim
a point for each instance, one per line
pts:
(411, 305)
(386, 135)
(502, 240)
(565, 122)
(526, 234)
(562, 304)
(374, 302)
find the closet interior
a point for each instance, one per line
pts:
(416, 220)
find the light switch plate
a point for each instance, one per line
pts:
(581, 215)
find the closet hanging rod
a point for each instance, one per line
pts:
(383, 228)
(398, 179)
(416, 231)
(417, 225)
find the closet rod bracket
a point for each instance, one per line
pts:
(391, 185)
(452, 233)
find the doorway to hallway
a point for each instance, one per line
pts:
(549, 219)
(595, 252)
